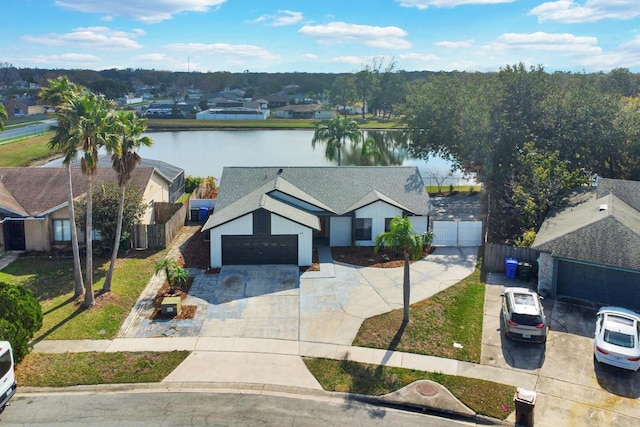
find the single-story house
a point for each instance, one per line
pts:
(590, 249)
(34, 205)
(22, 106)
(304, 111)
(271, 215)
(233, 113)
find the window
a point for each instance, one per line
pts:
(61, 230)
(387, 224)
(363, 229)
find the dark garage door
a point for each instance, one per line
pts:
(599, 284)
(278, 249)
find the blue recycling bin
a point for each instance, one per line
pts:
(512, 268)
(204, 214)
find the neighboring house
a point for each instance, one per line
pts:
(591, 249)
(270, 215)
(276, 101)
(23, 106)
(34, 207)
(304, 111)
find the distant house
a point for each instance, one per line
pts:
(590, 249)
(22, 106)
(233, 113)
(35, 216)
(270, 215)
(276, 101)
(304, 111)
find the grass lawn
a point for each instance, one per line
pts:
(51, 279)
(69, 369)
(435, 324)
(24, 152)
(484, 397)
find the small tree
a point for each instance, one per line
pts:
(175, 275)
(21, 318)
(401, 236)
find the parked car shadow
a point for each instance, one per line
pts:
(617, 381)
(573, 317)
(519, 354)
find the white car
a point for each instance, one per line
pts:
(617, 340)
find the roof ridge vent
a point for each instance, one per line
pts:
(603, 207)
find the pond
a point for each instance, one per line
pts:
(205, 153)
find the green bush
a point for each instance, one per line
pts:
(191, 183)
(20, 318)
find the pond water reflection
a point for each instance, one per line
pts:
(205, 153)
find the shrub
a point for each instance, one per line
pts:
(20, 318)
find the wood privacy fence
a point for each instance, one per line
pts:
(170, 219)
(495, 255)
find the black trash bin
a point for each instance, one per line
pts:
(525, 401)
(524, 271)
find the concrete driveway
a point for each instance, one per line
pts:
(570, 385)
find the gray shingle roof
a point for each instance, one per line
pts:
(337, 190)
(29, 191)
(596, 227)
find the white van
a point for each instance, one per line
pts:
(7, 379)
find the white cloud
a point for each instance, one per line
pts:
(140, 10)
(155, 57)
(571, 11)
(341, 32)
(423, 4)
(284, 17)
(224, 49)
(357, 60)
(540, 41)
(310, 56)
(65, 59)
(455, 45)
(92, 37)
(624, 56)
(418, 57)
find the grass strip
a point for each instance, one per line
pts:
(484, 397)
(51, 279)
(69, 369)
(26, 151)
(453, 316)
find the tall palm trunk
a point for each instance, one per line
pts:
(88, 283)
(116, 243)
(406, 287)
(77, 270)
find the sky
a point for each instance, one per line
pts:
(326, 36)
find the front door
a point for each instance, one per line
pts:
(14, 235)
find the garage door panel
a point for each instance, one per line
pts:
(599, 284)
(246, 250)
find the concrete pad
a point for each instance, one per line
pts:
(251, 368)
(428, 395)
(71, 346)
(280, 329)
(331, 327)
(498, 375)
(322, 350)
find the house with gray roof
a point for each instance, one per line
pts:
(34, 204)
(590, 249)
(272, 215)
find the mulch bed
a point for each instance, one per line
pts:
(366, 257)
(187, 311)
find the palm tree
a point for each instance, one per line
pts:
(334, 133)
(124, 162)
(401, 236)
(174, 274)
(3, 116)
(96, 128)
(59, 93)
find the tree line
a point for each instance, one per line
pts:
(529, 135)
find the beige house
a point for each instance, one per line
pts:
(34, 206)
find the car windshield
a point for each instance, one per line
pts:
(618, 338)
(526, 319)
